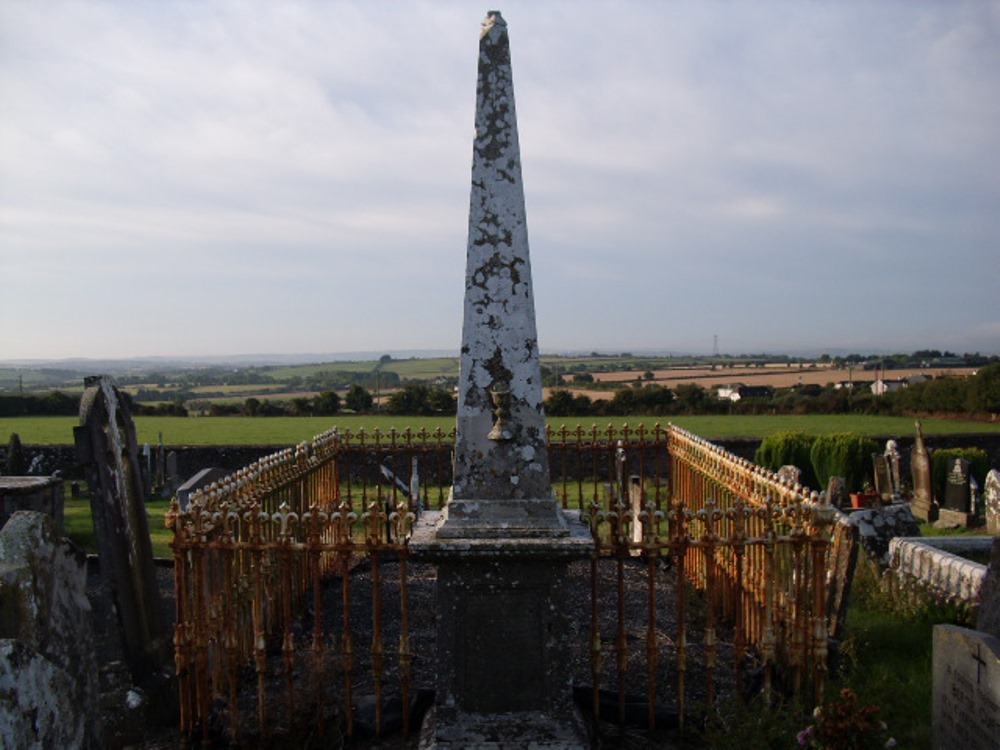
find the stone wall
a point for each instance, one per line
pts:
(192, 459)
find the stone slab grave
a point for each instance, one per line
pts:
(966, 698)
(502, 544)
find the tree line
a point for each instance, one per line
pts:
(976, 395)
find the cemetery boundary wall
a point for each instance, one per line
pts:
(193, 458)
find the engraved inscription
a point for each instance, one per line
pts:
(504, 656)
(966, 710)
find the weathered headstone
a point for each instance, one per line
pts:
(991, 502)
(48, 665)
(836, 492)
(966, 712)
(894, 459)
(922, 502)
(502, 545)
(172, 480)
(988, 618)
(883, 477)
(106, 444)
(15, 465)
(956, 489)
(790, 474)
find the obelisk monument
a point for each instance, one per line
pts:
(502, 545)
(501, 483)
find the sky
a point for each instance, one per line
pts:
(222, 177)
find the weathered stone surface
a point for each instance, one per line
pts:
(791, 474)
(501, 450)
(877, 526)
(40, 494)
(836, 493)
(989, 594)
(940, 568)
(48, 666)
(966, 712)
(922, 502)
(107, 445)
(502, 544)
(991, 502)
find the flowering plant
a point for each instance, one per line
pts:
(846, 724)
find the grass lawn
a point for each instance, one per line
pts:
(291, 430)
(79, 525)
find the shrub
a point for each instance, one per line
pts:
(943, 458)
(844, 454)
(781, 448)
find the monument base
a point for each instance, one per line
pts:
(507, 519)
(504, 639)
(949, 518)
(513, 730)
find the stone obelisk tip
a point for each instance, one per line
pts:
(501, 481)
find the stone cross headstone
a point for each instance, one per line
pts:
(991, 502)
(966, 691)
(502, 544)
(922, 502)
(956, 489)
(106, 445)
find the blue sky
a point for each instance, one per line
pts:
(214, 178)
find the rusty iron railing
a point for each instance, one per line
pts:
(259, 556)
(754, 545)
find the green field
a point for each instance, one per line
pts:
(79, 525)
(291, 430)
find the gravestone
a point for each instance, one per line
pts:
(172, 481)
(956, 489)
(502, 544)
(966, 712)
(836, 492)
(988, 618)
(991, 502)
(106, 445)
(883, 477)
(790, 474)
(922, 503)
(893, 458)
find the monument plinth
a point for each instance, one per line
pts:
(502, 544)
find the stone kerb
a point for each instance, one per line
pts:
(934, 565)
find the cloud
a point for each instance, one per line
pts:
(773, 173)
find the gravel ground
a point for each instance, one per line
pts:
(139, 732)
